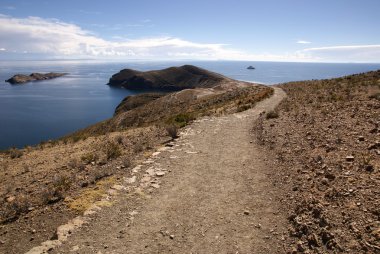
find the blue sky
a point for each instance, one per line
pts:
(282, 30)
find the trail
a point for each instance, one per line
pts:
(214, 197)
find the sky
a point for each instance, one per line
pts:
(266, 30)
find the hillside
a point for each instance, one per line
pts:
(170, 79)
(326, 144)
(43, 187)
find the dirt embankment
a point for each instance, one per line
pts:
(325, 138)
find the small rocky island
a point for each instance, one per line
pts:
(170, 79)
(21, 79)
(251, 67)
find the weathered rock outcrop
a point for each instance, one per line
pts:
(20, 78)
(170, 79)
(134, 101)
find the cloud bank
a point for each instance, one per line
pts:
(52, 38)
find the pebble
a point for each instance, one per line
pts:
(350, 158)
(160, 173)
(171, 236)
(246, 212)
(118, 187)
(130, 180)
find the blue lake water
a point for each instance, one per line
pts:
(40, 111)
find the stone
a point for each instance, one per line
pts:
(130, 180)
(350, 158)
(246, 212)
(10, 199)
(118, 187)
(361, 138)
(160, 173)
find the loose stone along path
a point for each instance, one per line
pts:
(206, 192)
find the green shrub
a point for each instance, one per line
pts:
(182, 119)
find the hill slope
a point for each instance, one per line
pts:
(170, 79)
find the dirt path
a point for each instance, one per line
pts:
(214, 197)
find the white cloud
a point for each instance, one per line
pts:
(2, 49)
(303, 42)
(357, 53)
(51, 37)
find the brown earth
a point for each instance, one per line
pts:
(43, 187)
(326, 144)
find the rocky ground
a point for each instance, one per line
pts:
(325, 141)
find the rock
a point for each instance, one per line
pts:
(325, 181)
(361, 138)
(155, 185)
(171, 236)
(20, 79)
(118, 187)
(350, 158)
(246, 212)
(130, 180)
(374, 146)
(160, 173)
(10, 199)
(376, 234)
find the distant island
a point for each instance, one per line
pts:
(170, 79)
(251, 67)
(21, 79)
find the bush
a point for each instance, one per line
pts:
(272, 114)
(112, 151)
(182, 120)
(127, 162)
(172, 131)
(15, 153)
(89, 157)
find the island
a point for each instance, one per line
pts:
(22, 79)
(170, 79)
(251, 67)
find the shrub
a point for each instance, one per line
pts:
(172, 131)
(182, 119)
(127, 162)
(15, 153)
(112, 151)
(89, 157)
(243, 107)
(272, 114)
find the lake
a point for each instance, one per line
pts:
(39, 111)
